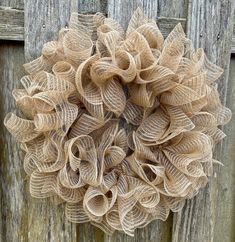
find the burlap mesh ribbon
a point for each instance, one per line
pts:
(119, 125)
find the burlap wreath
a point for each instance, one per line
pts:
(120, 126)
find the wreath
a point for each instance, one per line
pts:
(119, 126)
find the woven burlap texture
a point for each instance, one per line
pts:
(118, 125)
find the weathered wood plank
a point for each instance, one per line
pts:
(12, 21)
(92, 6)
(52, 225)
(11, 24)
(122, 10)
(227, 229)
(16, 4)
(173, 8)
(87, 232)
(157, 231)
(43, 19)
(13, 205)
(207, 217)
(233, 46)
(166, 24)
(233, 40)
(171, 12)
(46, 222)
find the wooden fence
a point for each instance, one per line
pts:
(24, 27)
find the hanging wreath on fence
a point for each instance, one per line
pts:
(120, 126)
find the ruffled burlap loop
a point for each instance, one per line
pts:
(120, 126)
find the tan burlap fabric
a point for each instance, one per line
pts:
(120, 126)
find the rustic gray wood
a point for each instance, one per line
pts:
(92, 6)
(11, 24)
(173, 8)
(233, 46)
(170, 13)
(233, 40)
(166, 24)
(207, 217)
(12, 20)
(16, 4)
(156, 231)
(87, 232)
(121, 11)
(228, 183)
(51, 224)
(13, 206)
(43, 19)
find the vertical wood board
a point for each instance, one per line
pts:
(13, 206)
(46, 221)
(207, 216)
(121, 11)
(16, 4)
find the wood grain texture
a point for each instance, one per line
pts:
(166, 24)
(207, 217)
(13, 205)
(47, 221)
(87, 232)
(170, 13)
(11, 24)
(227, 228)
(16, 4)
(157, 231)
(173, 8)
(233, 40)
(122, 10)
(92, 6)
(233, 46)
(43, 19)
(12, 20)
